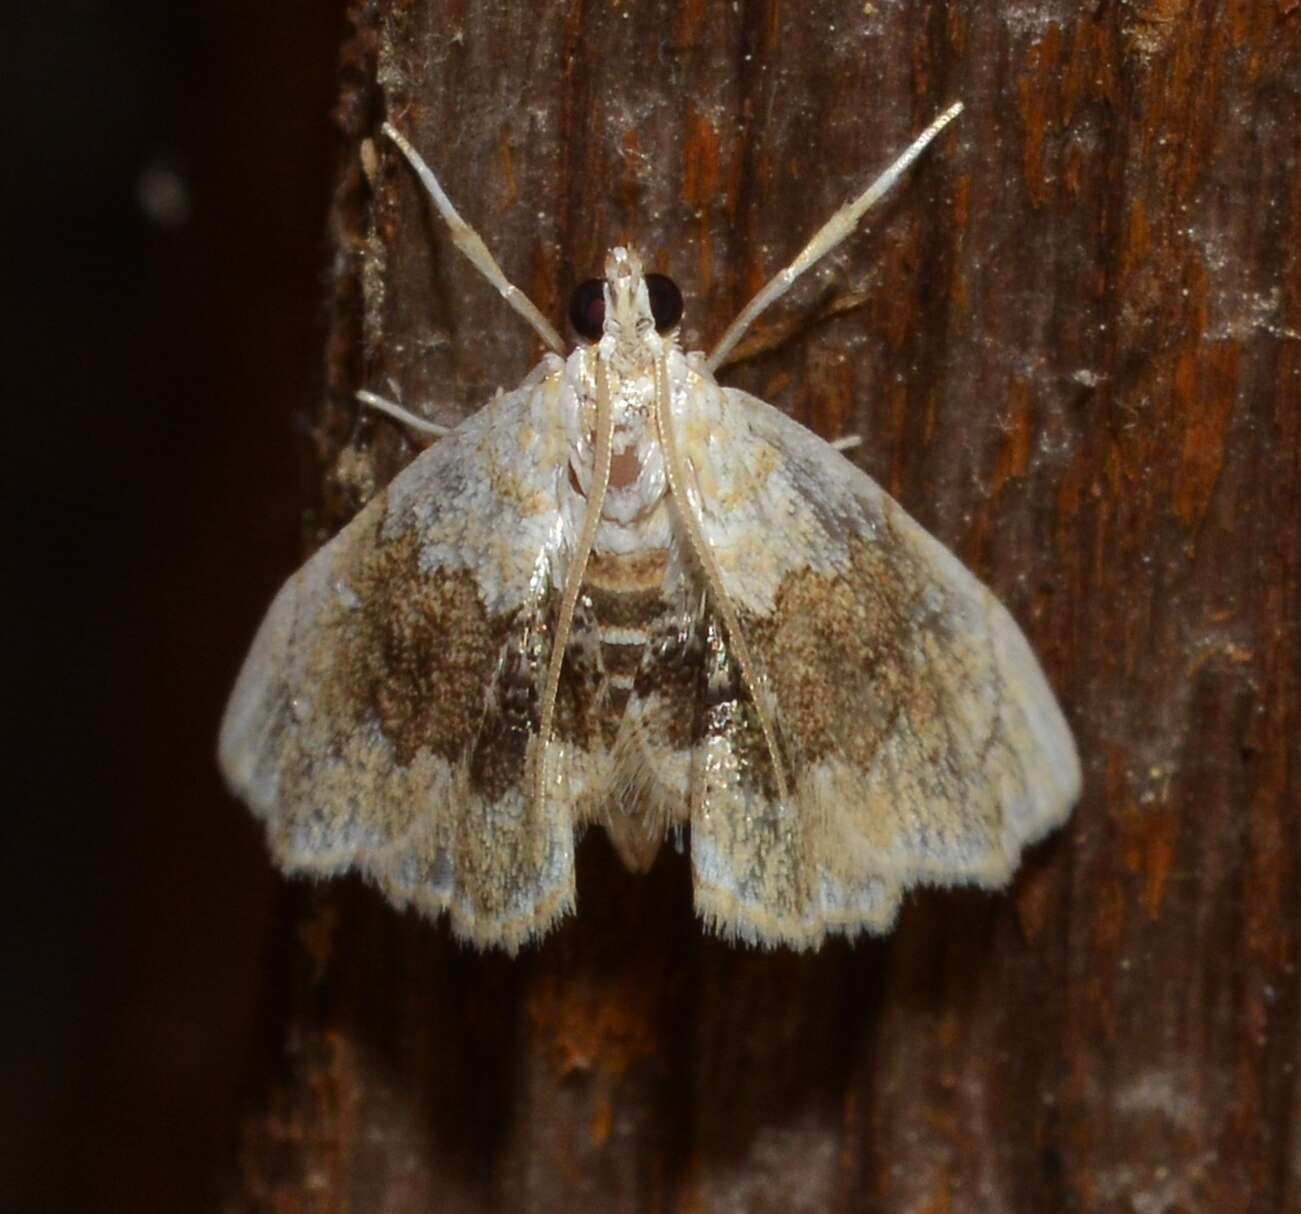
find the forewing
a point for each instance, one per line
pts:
(386, 714)
(921, 742)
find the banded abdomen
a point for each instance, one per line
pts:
(625, 598)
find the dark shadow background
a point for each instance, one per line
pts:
(166, 174)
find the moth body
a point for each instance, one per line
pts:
(623, 595)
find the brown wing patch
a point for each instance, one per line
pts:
(419, 651)
(498, 747)
(849, 655)
(387, 715)
(920, 740)
(873, 674)
(381, 681)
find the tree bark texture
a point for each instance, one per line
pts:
(1072, 341)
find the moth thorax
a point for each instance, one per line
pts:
(632, 398)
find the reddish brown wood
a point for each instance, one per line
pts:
(1071, 340)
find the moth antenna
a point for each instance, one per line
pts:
(676, 474)
(840, 225)
(577, 569)
(465, 238)
(405, 416)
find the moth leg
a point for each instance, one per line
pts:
(840, 225)
(405, 416)
(465, 238)
(602, 458)
(675, 471)
(848, 443)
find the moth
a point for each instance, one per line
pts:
(625, 595)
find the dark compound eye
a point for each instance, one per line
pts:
(665, 301)
(587, 309)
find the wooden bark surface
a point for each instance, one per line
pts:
(1072, 341)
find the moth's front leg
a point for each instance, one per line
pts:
(412, 421)
(550, 365)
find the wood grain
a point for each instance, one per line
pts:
(1072, 341)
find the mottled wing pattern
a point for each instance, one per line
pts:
(385, 717)
(920, 740)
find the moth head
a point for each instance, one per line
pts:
(630, 307)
